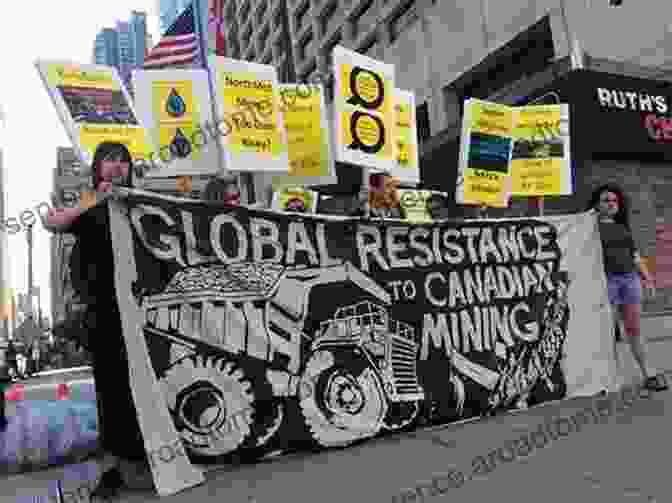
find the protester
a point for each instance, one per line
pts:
(437, 207)
(384, 200)
(92, 274)
(5, 381)
(224, 189)
(295, 205)
(625, 272)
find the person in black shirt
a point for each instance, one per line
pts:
(92, 275)
(625, 272)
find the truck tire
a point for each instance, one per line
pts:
(401, 415)
(341, 397)
(211, 402)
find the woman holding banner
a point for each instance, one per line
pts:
(92, 274)
(625, 272)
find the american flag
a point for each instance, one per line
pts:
(179, 46)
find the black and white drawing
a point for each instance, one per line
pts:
(314, 345)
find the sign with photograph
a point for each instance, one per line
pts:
(177, 109)
(94, 107)
(540, 160)
(364, 112)
(248, 106)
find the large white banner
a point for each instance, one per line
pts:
(255, 332)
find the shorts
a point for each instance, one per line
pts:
(624, 288)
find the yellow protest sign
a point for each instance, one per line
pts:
(407, 167)
(248, 101)
(308, 142)
(540, 161)
(364, 110)
(295, 199)
(93, 106)
(485, 153)
(71, 75)
(414, 204)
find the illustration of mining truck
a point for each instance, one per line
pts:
(232, 343)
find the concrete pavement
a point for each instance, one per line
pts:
(623, 457)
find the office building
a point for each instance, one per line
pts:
(123, 47)
(258, 30)
(515, 52)
(69, 180)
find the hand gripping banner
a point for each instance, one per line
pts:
(254, 332)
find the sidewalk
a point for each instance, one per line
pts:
(622, 459)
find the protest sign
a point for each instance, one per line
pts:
(296, 199)
(415, 204)
(248, 101)
(485, 154)
(540, 160)
(177, 109)
(94, 107)
(364, 111)
(267, 331)
(407, 167)
(308, 137)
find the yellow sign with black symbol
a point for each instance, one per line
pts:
(178, 118)
(364, 111)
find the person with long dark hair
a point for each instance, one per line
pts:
(625, 272)
(92, 275)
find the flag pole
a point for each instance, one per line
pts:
(202, 43)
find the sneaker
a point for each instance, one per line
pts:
(656, 383)
(109, 486)
(136, 474)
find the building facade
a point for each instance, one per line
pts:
(123, 47)
(69, 179)
(517, 51)
(258, 30)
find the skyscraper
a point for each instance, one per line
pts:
(168, 12)
(69, 177)
(124, 46)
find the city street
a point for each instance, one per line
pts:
(625, 458)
